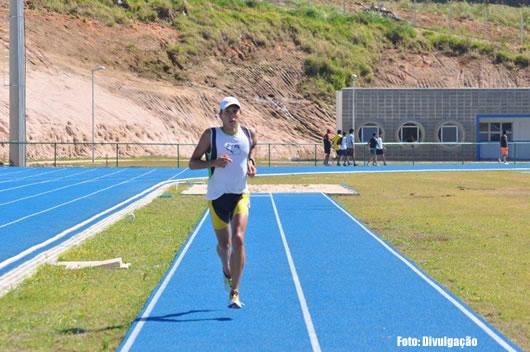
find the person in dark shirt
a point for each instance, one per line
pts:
(327, 146)
(372, 143)
(504, 147)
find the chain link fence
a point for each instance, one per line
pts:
(267, 154)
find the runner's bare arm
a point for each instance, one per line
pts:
(196, 161)
(251, 155)
(203, 147)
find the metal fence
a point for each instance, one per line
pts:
(117, 154)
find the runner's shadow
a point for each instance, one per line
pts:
(172, 317)
(80, 331)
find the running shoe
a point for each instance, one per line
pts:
(234, 301)
(227, 282)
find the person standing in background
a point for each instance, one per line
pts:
(504, 147)
(342, 150)
(335, 143)
(326, 139)
(380, 148)
(372, 144)
(350, 150)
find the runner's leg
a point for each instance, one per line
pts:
(237, 257)
(223, 249)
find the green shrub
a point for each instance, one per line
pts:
(502, 57)
(320, 68)
(521, 61)
(315, 66)
(399, 33)
(482, 47)
(164, 9)
(365, 70)
(142, 11)
(450, 44)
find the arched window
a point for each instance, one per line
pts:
(367, 130)
(449, 133)
(410, 132)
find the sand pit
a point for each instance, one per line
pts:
(200, 188)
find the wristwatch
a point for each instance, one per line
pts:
(252, 160)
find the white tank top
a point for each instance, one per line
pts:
(233, 177)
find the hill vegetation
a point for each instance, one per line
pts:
(337, 41)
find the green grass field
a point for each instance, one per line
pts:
(468, 230)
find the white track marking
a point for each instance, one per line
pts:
(138, 327)
(179, 173)
(8, 172)
(372, 171)
(71, 201)
(30, 176)
(81, 224)
(440, 290)
(301, 298)
(15, 276)
(45, 181)
(60, 188)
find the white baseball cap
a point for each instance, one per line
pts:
(227, 101)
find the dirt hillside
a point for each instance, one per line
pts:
(62, 50)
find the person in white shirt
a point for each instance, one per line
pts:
(380, 148)
(350, 148)
(229, 152)
(343, 146)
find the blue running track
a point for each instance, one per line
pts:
(42, 207)
(306, 287)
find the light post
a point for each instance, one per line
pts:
(97, 68)
(414, 8)
(353, 79)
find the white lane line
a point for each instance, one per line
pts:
(372, 171)
(60, 188)
(362, 171)
(46, 181)
(39, 174)
(440, 290)
(71, 201)
(301, 298)
(8, 172)
(79, 225)
(172, 177)
(13, 277)
(138, 327)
